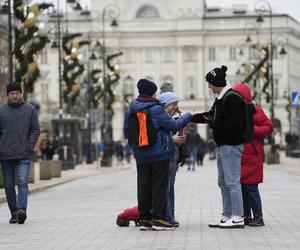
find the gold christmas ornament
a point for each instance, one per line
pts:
(75, 88)
(20, 7)
(75, 45)
(30, 22)
(75, 54)
(20, 26)
(32, 67)
(117, 69)
(35, 9)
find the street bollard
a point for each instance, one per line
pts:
(31, 173)
(55, 167)
(45, 170)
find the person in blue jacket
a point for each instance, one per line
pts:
(153, 162)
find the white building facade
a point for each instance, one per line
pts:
(178, 42)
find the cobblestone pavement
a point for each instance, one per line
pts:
(81, 215)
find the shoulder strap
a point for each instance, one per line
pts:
(231, 92)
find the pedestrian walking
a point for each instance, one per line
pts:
(152, 156)
(128, 153)
(19, 132)
(226, 118)
(170, 102)
(252, 162)
(192, 142)
(119, 151)
(201, 151)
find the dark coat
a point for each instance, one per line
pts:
(19, 131)
(226, 118)
(252, 157)
(164, 148)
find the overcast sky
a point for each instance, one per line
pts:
(291, 7)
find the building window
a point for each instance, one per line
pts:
(128, 86)
(211, 53)
(191, 88)
(275, 52)
(128, 56)
(147, 11)
(44, 56)
(254, 54)
(168, 55)
(276, 90)
(168, 79)
(189, 54)
(232, 53)
(150, 78)
(44, 91)
(148, 55)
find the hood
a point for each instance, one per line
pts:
(138, 105)
(244, 90)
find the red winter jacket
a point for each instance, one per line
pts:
(252, 157)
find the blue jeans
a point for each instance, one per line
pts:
(170, 191)
(252, 201)
(229, 174)
(192, 151)
(16, 172)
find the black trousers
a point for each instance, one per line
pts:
(251, 200)
(152, 180)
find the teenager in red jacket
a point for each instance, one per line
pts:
(252, 162)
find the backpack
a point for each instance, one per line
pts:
(250, 110)
(142, 133)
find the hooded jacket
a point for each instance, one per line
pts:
(164, 147)
(19, 130)
(252, 157)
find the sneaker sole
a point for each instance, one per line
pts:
(21, 218)
(158, 228)
(213, 226)
(232, 227)
(145, 228)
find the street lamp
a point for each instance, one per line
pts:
(57, 44)
(10, 47)
(110, 11)
(5, 8)
(261, 7)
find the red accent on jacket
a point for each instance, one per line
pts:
(252, 157)
(129, 214)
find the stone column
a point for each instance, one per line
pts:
(178, 88)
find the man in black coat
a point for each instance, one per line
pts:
(226, 118)
(19, 131)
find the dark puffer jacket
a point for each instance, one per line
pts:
(164, 148)
(19, 130)
(252, 157)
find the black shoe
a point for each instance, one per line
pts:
(247, 220)
(146, 225)
(160, 225)
(257, 222)
(174, 223)
(21, 216)
(13, 219)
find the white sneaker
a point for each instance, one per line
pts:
(218, 223)
(234, 222)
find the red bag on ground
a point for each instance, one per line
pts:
(129, 214)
